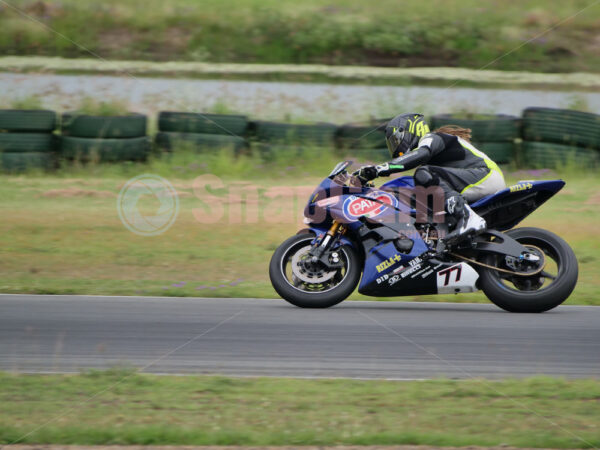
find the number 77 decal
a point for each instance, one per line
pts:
(448, 272)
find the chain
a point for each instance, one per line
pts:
(504, 270)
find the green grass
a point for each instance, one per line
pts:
(94, 107)
(469, 33)
(26, 102)
(61, 234)
(121, 407)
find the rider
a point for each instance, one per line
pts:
(445, 158)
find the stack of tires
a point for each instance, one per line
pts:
(558, 137)
(495, 135)
(104, 138)
(282, 140)
(204, 133)
(363, 141)
(27, 140)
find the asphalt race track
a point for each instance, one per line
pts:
(393, 340)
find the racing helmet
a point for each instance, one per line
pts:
(403, 132)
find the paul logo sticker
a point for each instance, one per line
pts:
(370, 206)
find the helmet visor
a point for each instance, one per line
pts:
(394, 140)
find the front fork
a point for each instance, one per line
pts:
(320, 252)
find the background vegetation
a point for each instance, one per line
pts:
(466, 33)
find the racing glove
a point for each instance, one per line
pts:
(367, 173)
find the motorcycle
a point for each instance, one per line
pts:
(379, 237)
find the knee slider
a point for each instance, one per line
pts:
(423, 177)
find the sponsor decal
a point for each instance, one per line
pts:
(520, 187)
(382, 279)
(397, 270)
(446, 275)
(388, 263)
(426, 274)
(457, 278)
(370, 206)
(424, 269)
(415, 261)
(327, 201)
(394, 280)
(410, 270)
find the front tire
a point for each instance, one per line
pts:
(540, 292)
(328, 288)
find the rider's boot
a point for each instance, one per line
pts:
(469, 223)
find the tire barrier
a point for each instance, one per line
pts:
(500, 152)
(27, 120)
(562, 127)
(22, 161)
(289, 134)
(131, 125)
(27, 140)
(185, 122)
(550, 137)
(88, 138)
(105, 150)
(360, 137)
(486, 128)
(551, 155)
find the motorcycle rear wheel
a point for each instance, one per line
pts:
(537, 293)
(316, 288)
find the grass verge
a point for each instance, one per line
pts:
(121, 407)
(61, 233)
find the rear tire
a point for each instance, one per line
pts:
(312, 299)
(538, 298)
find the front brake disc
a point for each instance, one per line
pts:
(309, 273)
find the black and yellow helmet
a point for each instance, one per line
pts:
(403, 132)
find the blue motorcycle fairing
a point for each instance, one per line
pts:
(551, 186)
(384, 260)
(406, 181)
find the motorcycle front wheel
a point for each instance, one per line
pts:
(310, 285)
